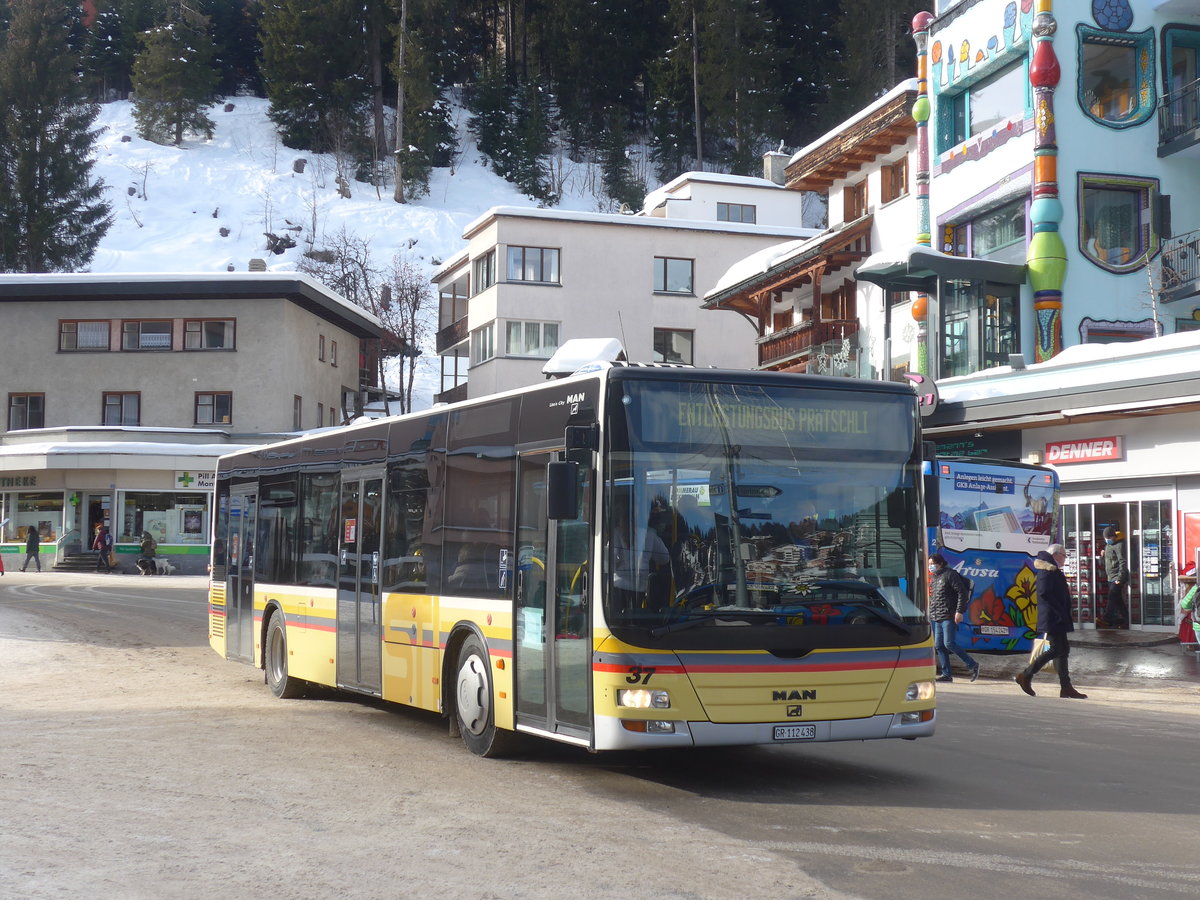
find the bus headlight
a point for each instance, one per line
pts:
(641, 698)
(919, 690)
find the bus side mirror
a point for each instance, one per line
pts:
(933, 494)
(581, 442)
(562, 489)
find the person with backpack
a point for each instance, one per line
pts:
(103, 545)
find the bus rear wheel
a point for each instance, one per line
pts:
(473, 702)
(282, 685)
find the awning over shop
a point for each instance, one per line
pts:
(918, 269)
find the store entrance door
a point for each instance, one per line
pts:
(1149, 548)
(99, 512)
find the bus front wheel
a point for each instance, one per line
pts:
(282, 685)
(473, 701)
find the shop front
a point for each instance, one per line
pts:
(1118, 423)
(66, 490)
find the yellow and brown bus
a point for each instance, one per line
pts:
(630, 558)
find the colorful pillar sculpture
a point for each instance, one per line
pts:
(920, 113)
(1047, 260)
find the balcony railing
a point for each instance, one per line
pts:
(453, 395)
(799, 340)
(1179, 113)
(451, 335)
(1179, 267)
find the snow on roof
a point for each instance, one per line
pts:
(563, 215)
(904, 86)
(578, 352)
(119, 448)
(1082, 366)
(9, 282)
(656, 197)
(757, 263)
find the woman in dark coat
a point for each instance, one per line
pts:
(1054, 620)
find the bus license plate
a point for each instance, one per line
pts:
(993, 629)
(795, 732)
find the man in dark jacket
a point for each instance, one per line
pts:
(32, 552)
(1053, 620)
(1116, 572)
(949, 596)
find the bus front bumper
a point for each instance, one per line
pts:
(612, 733)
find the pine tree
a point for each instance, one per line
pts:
(233, 25)
(111, 44)
(52, 214)
(173, 78)
(879, 52)
(314, 66)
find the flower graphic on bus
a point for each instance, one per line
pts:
(1024, 598)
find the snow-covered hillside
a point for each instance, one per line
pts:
(207, 206)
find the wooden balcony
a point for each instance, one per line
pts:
(453, 395)
(794, 345)
(451, 335)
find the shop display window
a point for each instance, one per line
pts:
(43, 512)
(170, 517)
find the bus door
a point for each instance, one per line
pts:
(359, 609)
(552, 651)
(239, 574)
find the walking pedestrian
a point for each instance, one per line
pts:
(1053, 620)
(949, 596)
(1116, 572)
(103, 545)
(32, 551)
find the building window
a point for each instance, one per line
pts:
(984, 105)
(536, 339)
(297, 409)
(979, 326)
(484, 272)
(854, 201)
(673, 345)
(1116, 220)
(321, 349)
(333, 353)
(483, 343)
(736, 212)
(214, 408)
(332, 416)
(533, 264)
(1192, 324)
(998, 229)
(1116, 76)
(672, 276)
(122, 408)
(83, 335)
(26, 411)
(208, 334)
(894, 180)
(146, 335)
(320, 414)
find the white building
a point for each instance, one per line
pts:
(530, 279)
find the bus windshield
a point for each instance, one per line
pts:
(747, 505)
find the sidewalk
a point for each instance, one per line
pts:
(1106, 656)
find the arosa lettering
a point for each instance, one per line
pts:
(789, 696)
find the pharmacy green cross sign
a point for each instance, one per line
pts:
(195, 481)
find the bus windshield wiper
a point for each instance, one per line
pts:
(886, 617)
(728, 613)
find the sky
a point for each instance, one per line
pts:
(170, 204)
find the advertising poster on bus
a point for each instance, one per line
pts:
(994, 518)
